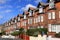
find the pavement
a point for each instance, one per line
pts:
(9, 39)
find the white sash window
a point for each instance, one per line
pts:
(34, 20)
(59, 14)
(9, 23)
(41, 18)
(53, 28)
(24, 16)
(30, 21)
(18, 18)
(42, 26)
(49, 15)
(15, 20)
(53, 15)
(49, 27)
(18, 24)
(40, 9)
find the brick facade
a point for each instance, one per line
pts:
(43, 22)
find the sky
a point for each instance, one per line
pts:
(11, 8)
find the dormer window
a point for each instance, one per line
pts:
(9, 23)
(15, 21)
(24, 16)
(18, 18)
(30, 13)
(40, 9)
(51, 4)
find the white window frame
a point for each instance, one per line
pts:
(49, 27)
(30, 21)
(18, 18)
(42, 18)
(39, 18)
(40, 9)
(25, 16)
(42, 26)
(59, 14)
(18, 24)
(49, 16)
(15, 21)
(34, 20)
(53, 15)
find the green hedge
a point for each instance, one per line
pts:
(35, 32)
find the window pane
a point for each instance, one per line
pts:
(59, 14)
(34, 20)
(41, 18)
(38, 18)
(40, 10)
(49, 27)
(30, 13)
(24, 16)
(51, 5)
(42, 27)
(49, 15)
(29, 21)
(53, 15)
(18, 18)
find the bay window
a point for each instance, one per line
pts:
(49, 27)
(54, 28)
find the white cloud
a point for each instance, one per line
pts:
(1, 16)
(6, 6)
(27, 0)
(18, 6)
(27, 7)
(37, 1)
(3, 1)
(6, 11)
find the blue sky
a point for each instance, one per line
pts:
(11, 8)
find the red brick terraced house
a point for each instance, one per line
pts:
(43, 16)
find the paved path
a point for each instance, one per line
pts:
(8, 39)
